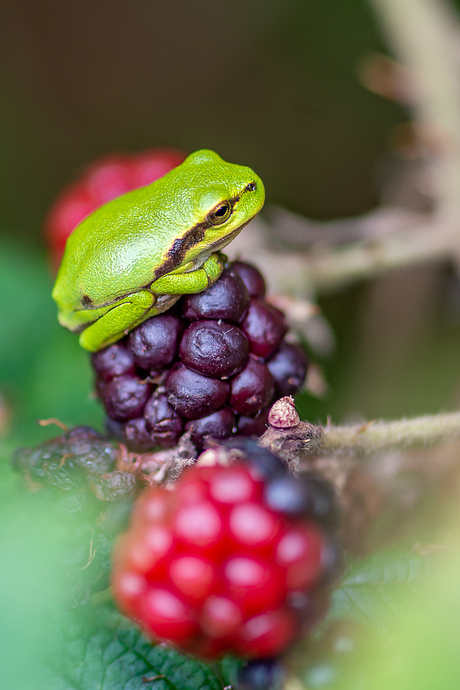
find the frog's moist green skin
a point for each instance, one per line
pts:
(135, 256)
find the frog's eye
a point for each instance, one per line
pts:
(220, 213)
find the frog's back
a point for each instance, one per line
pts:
(123, 246)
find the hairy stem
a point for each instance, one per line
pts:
(381, 436)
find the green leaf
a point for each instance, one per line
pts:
(372, 588)
(421, 653)
(113, 655)
(29, 541)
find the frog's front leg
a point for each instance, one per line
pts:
(194, 281)
(119, 320)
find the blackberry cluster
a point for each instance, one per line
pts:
(211, 365)
(234, 558)
(77, 472)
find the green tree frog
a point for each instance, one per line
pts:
(135, 256)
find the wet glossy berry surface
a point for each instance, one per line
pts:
(217, 359)
(214, 348)
(164, 423)
(251, 277)
(154, 344)
(193, 395)
(227, 299)
(288, 366)
(115, 360)
(208, 566)
(264, 327)
(125, 397)
(252, 388)
(218, 425)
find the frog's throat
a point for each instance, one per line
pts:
(220, 244)
(176, 253)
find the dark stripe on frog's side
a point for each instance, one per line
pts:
(180, 247)
(174, 254)
(174, 257)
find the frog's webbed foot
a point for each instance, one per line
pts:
(122, 318)
(194, 281)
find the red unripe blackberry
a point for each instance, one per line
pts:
(211, 568)
(212, 365)
(152, 164)
(108, 178)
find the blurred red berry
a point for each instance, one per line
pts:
(213, 569)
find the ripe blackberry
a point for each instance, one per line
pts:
(212, 365)
(210, 567)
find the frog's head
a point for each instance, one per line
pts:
(225, 198)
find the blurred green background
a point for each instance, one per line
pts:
(268, 83)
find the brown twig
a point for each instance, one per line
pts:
(425, 36)
(53, 420)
